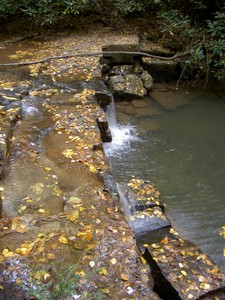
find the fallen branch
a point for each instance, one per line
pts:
(84, 54)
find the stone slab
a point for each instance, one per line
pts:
(182, 271)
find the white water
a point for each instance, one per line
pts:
(122, 135)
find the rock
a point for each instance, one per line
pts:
(104, 129)
(144, 210)
(151, 125)
(123, 118)
(151, 111)
(140, 103)
(162, 71)
(147, 80)
(182, 271)
(128, 81)
(149, 220)
(130, 110)
(171, 100)
(134, 86)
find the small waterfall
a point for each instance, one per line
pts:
(122, 135)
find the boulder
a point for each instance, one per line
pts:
(147, 80)
(128, 82)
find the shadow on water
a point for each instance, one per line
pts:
(180, 147)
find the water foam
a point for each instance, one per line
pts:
(122, 135)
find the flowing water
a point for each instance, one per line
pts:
(179, 145)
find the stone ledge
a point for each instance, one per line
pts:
(179, 268)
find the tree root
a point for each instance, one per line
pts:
(86, 54)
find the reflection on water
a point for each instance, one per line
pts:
(184, 156)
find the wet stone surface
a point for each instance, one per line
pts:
(59, 215)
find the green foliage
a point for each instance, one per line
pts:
(206, 43)
(125, 7)
(55, 283)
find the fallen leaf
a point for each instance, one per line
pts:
(165, 240)
(50, 256)
(143, 260)
(113, 261)
(92, 264)
(124, 277)
(103, 271)
(63, 239)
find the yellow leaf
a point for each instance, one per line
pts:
(21, 229)
(143, 260)
(113, 261)
(46, 276)
(41, 210)
(63, 239)
(47, 169)
(155, 246)
(22, 208)
(82, 209)
(68, 153)
(81, 273)
(105, 291)
(183, 273)
(73, 217)
(7, 253)
(165, 240)
(50, 256)
(19, 281)
(93, 169)
(103, 271)
(41, 235)
(124, 277)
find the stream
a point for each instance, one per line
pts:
(177, 140)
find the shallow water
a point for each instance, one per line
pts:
(181, 150)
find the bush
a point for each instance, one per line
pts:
(205, 41)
